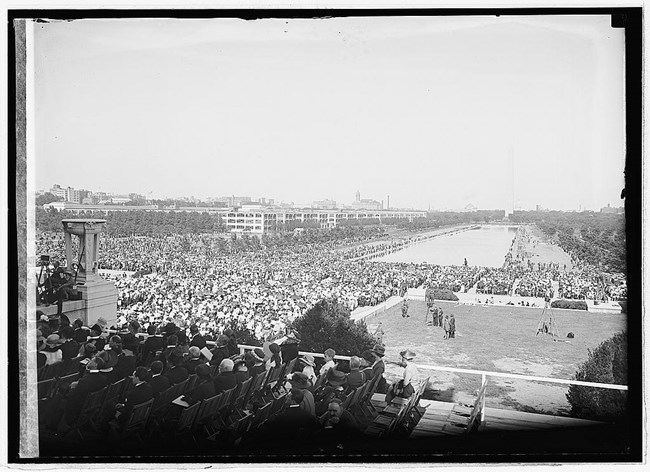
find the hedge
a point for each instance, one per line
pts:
(444, 294)
(570, 304)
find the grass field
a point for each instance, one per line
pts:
(496, 338)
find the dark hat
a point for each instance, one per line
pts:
(274, 348)
(300, 380)
(222, 340)
(379, 350)
(96, 327)
(109, 358)
(53, 341)
(258, 354)
(229, 332)
(407, 354)
(170, 328)
(202, 371)
(176, 355)
(335, 377)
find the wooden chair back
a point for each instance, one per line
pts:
(138, 417)
(187, 418)
(208, 408)
(164, 400)
(91, 407)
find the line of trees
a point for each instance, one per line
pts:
(596, 238)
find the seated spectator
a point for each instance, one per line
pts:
(220, 352)
(80, 333)
(307, 362)
(196, 338)
(294, 424)
(205, 386)
(300, 382)
(158, 382)
(329, 361)
(52, 349)
(355, 378)
(125, 365)
(338, 424)
(140, 393)
(333, 388)
(241, 371)
(409, 383)
(258, 366)
(92, 381)
(226, 379)
(175, 372)
(194, 359)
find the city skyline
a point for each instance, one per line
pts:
(436, 112)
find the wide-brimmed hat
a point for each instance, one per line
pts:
(170, 328)
(258, 354)
(335, 377)
(53, 341)
(308, 359)
(407, 354)
(300, 380)
(379, 350)
(109, 358)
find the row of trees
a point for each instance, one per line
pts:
(596, 238)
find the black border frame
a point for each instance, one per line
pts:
(629, 18)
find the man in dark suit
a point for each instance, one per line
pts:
(194, 360)
(220, 352)
(92, 381)
(158, 383)
(204, 389)
(153, 343)
(226, 378)
(130, 341)
(69, 347)
(196, 338)
(176, 373)
(125, 364)
(140, 393)
(293, 425)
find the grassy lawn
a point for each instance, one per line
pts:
(501, 339)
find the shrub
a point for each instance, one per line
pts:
(328, 324)
(605, 364)
(570, 304)
(444, 294)
(623, 306)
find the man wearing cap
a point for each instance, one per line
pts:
(334, 388)
(409, 383)
(196, 338)
(300, 381)
(226, 379)
(378, 367)
(220, 352)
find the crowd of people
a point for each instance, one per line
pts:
(264, 290)
(154, 358)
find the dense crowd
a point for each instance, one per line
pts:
(198, 280)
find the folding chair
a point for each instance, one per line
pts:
(137, 420)
(181, 388)
(191, 383)
(90, 411)
(46, 388)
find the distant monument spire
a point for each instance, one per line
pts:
(358, 196)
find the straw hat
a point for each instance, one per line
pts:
(308, 359)
(408, 355)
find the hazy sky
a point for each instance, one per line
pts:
(433, 111)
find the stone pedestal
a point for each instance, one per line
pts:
(101, 301)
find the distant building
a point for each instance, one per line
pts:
(612, 210)
(324, 204)
(470, 207)
(365, 203)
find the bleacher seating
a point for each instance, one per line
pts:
(464, 418)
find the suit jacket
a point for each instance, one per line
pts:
(293, 424)
(241, 376)
(224, 381)
(152, 344)
(192, 363)
(91, 382)
(81, 335)
(138, 394)
(124, 367)
(219, 354)
(198, 341)
(204, 390)
(69, 349)
(158, 384)
(177, 374)
(256, 369)
(355, 379)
